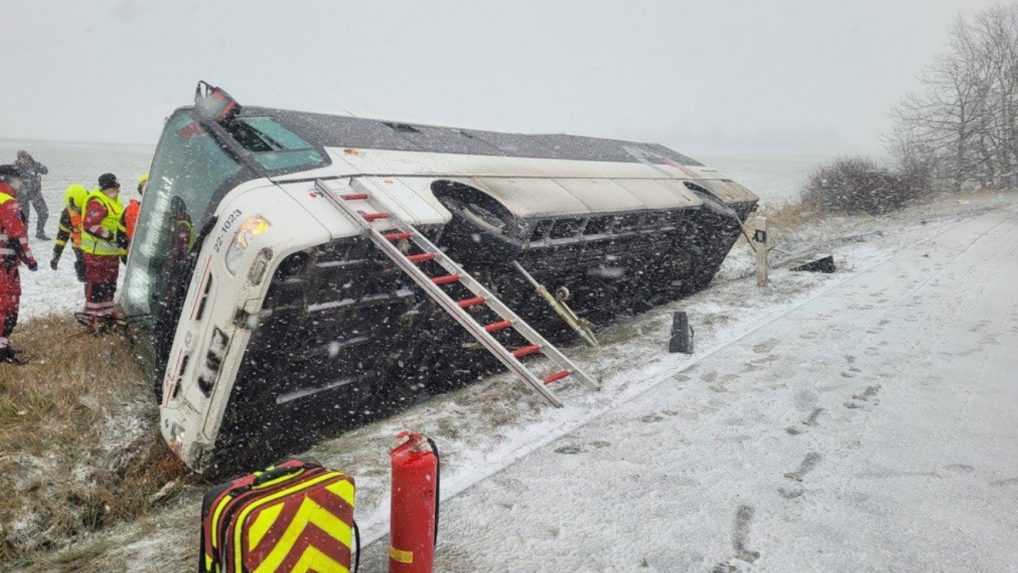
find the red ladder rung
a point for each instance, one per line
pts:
(497, 326)
(397, 235)
(555, 377)
(354, 196)
(369, 217)
(445, 279)
(526, 350)
(472, 301)
(422, 257)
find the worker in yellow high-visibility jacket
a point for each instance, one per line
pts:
(99, 228)
(70, 228)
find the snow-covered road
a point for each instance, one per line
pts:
(869, 428)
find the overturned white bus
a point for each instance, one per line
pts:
(266, 311)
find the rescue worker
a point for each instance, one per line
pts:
(70, 229)
(129, 221)
(183, 230)
(30, 172)
(99, 226)
(14, 250)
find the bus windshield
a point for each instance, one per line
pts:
(272, 145)
(189, 168)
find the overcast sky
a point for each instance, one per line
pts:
(696, 74)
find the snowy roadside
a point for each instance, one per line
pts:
(488, 426)
(869, 426)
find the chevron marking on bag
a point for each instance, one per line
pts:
(264, 521)
(314, 560)
(289, 535)
(263, 535)
(319, 541)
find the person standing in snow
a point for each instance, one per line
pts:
(31, 172)
(100, 225)
(129, 221)
(70, 229)
(14, 251)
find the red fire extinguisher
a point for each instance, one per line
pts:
(413, 521)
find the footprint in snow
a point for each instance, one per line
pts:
(740, 538)
(960, 468)
(868, 393)
(573, 449)
(765, 346)
(791, 493)
(810, 462)
(740, 534)
(812, 419)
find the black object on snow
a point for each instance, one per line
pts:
(821, 265)
(682, 334)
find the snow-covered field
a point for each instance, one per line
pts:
(775, 176)
(856, 421)
(45, 290)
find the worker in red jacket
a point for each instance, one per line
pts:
(129, 220)
(14, 250)
(100, 225)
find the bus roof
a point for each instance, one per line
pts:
(356, 132)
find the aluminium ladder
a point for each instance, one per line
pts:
(387, 231)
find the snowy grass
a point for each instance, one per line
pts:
(78, 436)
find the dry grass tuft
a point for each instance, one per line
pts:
(64, 389)
(789, 215)
(79, 442)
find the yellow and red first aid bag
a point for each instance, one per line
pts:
(294, 516)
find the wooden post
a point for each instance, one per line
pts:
(761, 244)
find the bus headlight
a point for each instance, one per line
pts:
(249, 229)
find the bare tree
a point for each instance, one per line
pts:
(963, 125)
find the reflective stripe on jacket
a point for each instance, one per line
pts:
(5, 248)
(94, 244)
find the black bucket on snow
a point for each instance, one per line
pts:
(682, 334)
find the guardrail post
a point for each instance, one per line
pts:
(761, 248)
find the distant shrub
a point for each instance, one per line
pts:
(915, 178)
(860, 185)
